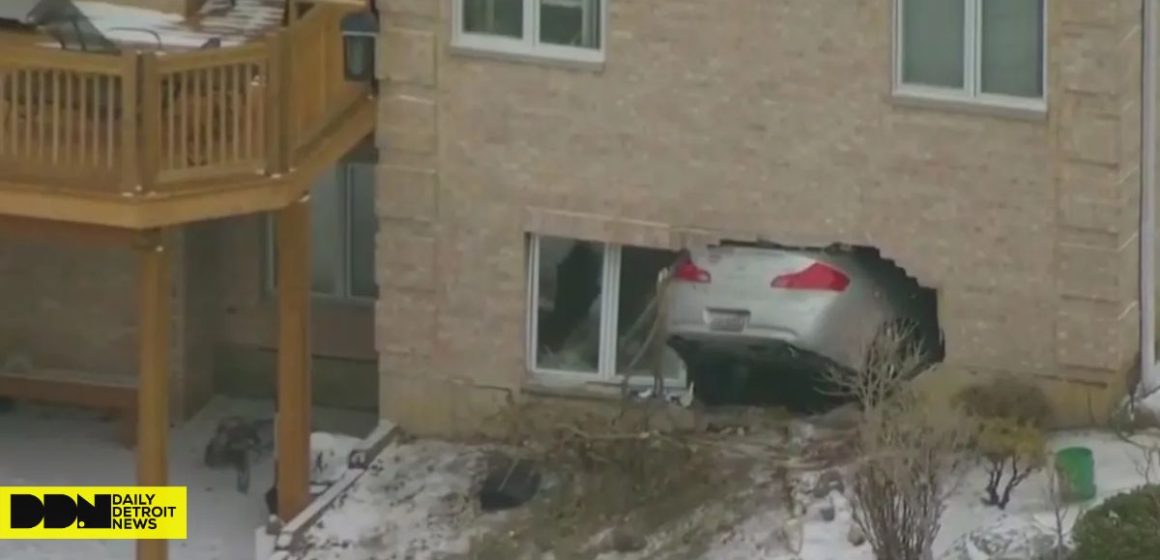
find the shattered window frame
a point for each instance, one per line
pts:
(606, 372)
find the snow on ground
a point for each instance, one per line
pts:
(1149, 405)
(53, 446)
(416, 503)
(1116, 471)
(331, 455)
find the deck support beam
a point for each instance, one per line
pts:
(294, 399)
(70, 232)
(154, 300)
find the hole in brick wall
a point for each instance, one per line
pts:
(771, 320)
(747, 323)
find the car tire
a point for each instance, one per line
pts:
(713, 374)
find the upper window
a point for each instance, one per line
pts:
(561, 29)
(990, 51)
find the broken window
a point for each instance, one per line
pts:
(569, 304)
(593, 311)
(637, 306)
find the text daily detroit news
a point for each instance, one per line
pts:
(106, 511)
(93, 512)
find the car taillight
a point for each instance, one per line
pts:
(687, 271)
(817, 276)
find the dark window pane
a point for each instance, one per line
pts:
(363, 226)
(574, 23)
(1012, 47)
(932, 42)
(568, 311)
(326, 224)
(494, 17)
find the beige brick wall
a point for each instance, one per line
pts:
(770, 119)
(68, 307)
(74, 307)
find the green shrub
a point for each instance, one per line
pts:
(1007, 397)
(1012, 451)
(1124, 527)
(1009, 416)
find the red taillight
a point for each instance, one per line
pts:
(817, 276)
(686, 271)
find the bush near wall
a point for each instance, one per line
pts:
(1124, 527)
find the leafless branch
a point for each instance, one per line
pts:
(909, 453)
(1060, 510)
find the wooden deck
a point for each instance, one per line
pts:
(148, 139)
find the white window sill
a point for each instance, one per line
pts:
(541, 387)
(995, 106)
(517, 51)
(588, 385)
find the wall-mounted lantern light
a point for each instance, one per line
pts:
(360, 34)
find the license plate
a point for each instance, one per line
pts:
(728, 321)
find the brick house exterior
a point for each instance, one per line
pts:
(770, 120)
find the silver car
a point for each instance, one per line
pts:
(760, 302)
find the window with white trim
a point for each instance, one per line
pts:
(343, 226)
(560, 29)
(988, 51)
(591, 307)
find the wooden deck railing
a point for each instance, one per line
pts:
(317, 77)
(153, 123)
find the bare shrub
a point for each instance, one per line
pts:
(1061, 512)
(890, 358)
(910, 451)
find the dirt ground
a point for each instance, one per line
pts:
(650, 481)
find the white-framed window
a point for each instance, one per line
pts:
(343, 227)
(554, 29)
(984, 51)
(591, 307)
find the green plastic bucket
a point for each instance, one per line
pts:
(1076, 467)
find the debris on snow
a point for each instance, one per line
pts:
(415, 502)
(1009, 538)
(331, 453)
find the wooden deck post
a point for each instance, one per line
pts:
(294, 401)
(153, 386)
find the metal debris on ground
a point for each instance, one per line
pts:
(236, 443)
(510, 484)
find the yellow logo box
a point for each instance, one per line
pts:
(93, 512)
